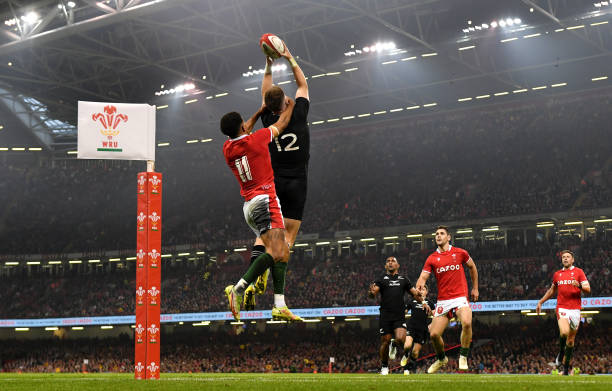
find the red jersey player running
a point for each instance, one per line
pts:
(447, 265)
(570, 282)
(248, 157)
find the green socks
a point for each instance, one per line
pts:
(259, 265)
(569, 351)
(279, 270)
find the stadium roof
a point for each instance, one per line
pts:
(361, 57)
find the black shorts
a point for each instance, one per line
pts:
(291, 191)
(418, 335)
(389, 326)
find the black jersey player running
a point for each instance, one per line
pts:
(392, 288)
(289, 153)
(418, 332)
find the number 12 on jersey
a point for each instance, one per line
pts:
(289, 147)
(242, 165)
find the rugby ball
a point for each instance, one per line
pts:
(272, 46)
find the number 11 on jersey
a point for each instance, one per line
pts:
(242, 165)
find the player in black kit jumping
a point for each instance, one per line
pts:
(418, 332)
(392, 288)
(289, 153)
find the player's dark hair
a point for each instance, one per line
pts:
(567, 252)
(274, 98)
(230, 124)
(444, 227)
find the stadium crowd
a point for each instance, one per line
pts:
(495, 162)
(320, 281)
(527, 347)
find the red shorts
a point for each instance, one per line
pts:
(262, 213)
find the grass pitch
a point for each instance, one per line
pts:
(307, 382)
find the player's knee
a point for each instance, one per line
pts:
(434, 334)
(466, 325)
(564, 333)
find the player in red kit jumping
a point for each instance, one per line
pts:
(569, 283)
(248, 157)
(447, 265)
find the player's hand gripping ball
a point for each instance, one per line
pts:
(272, 46)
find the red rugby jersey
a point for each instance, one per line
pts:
(568, 296)
(249, 159)
(447, 266)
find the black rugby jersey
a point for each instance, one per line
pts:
(392, 290)
(290, 151)
(418, 315)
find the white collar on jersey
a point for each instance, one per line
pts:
(238, 138)
(440, 252)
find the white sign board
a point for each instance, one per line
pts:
(123, 131)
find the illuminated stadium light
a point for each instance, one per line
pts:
(501, 93)
(558, 85)
(300, 245)
(559, 30)
(321, 243)
(284, 82)
(275, 68)
(364, 115)
(351, 69)
(3, 149)
(75, 261)
(413, 107)
(525, 311)
(241, 249)
(317, 122)
(538, 88)
(51, 328)
(491, 229)
(77, 328)
(30, 18)
(519, 91)
(55, 262)
(599, 78)
(33, 263)
(603, 221)
(163, 144)
(396, 110)
(408, 58)
(430, 104)
(581, 26)
(599, 23)
(351, 319)
(166, 256)
(345, 241)
(545, 224)
(10, 22)
(389, 62)
(191, 141)
(237, 323)
(251, 88)
(330, 317)
(429, 54)
(183, 254)
(508, 40)
(221, 94)
(206, 140)
(532, 35)
(206, 323)
(380, 112)
(367, 240)
(390, 237)
(94, 261)
(536, 314)
(107, 327)
(22, 329)
(11, 263)
(588, 312)
(114, 259)
(276, 321)
(466, 47)
(177, 89)
(311, 320)
(35, 149)
(190, 101)
(333, 120)
(18, 149)
(483, 96)
(464, 231)
(574, 223)
(414, 235)
(348, 117)
(200, 252)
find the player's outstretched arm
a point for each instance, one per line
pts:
(298, 74)
(474, 276)
(266, 83)
(422, 280)
(279, 126)
(250, 123)
(549, 293)
(373, 291)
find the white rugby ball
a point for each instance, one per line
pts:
(272, 45)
